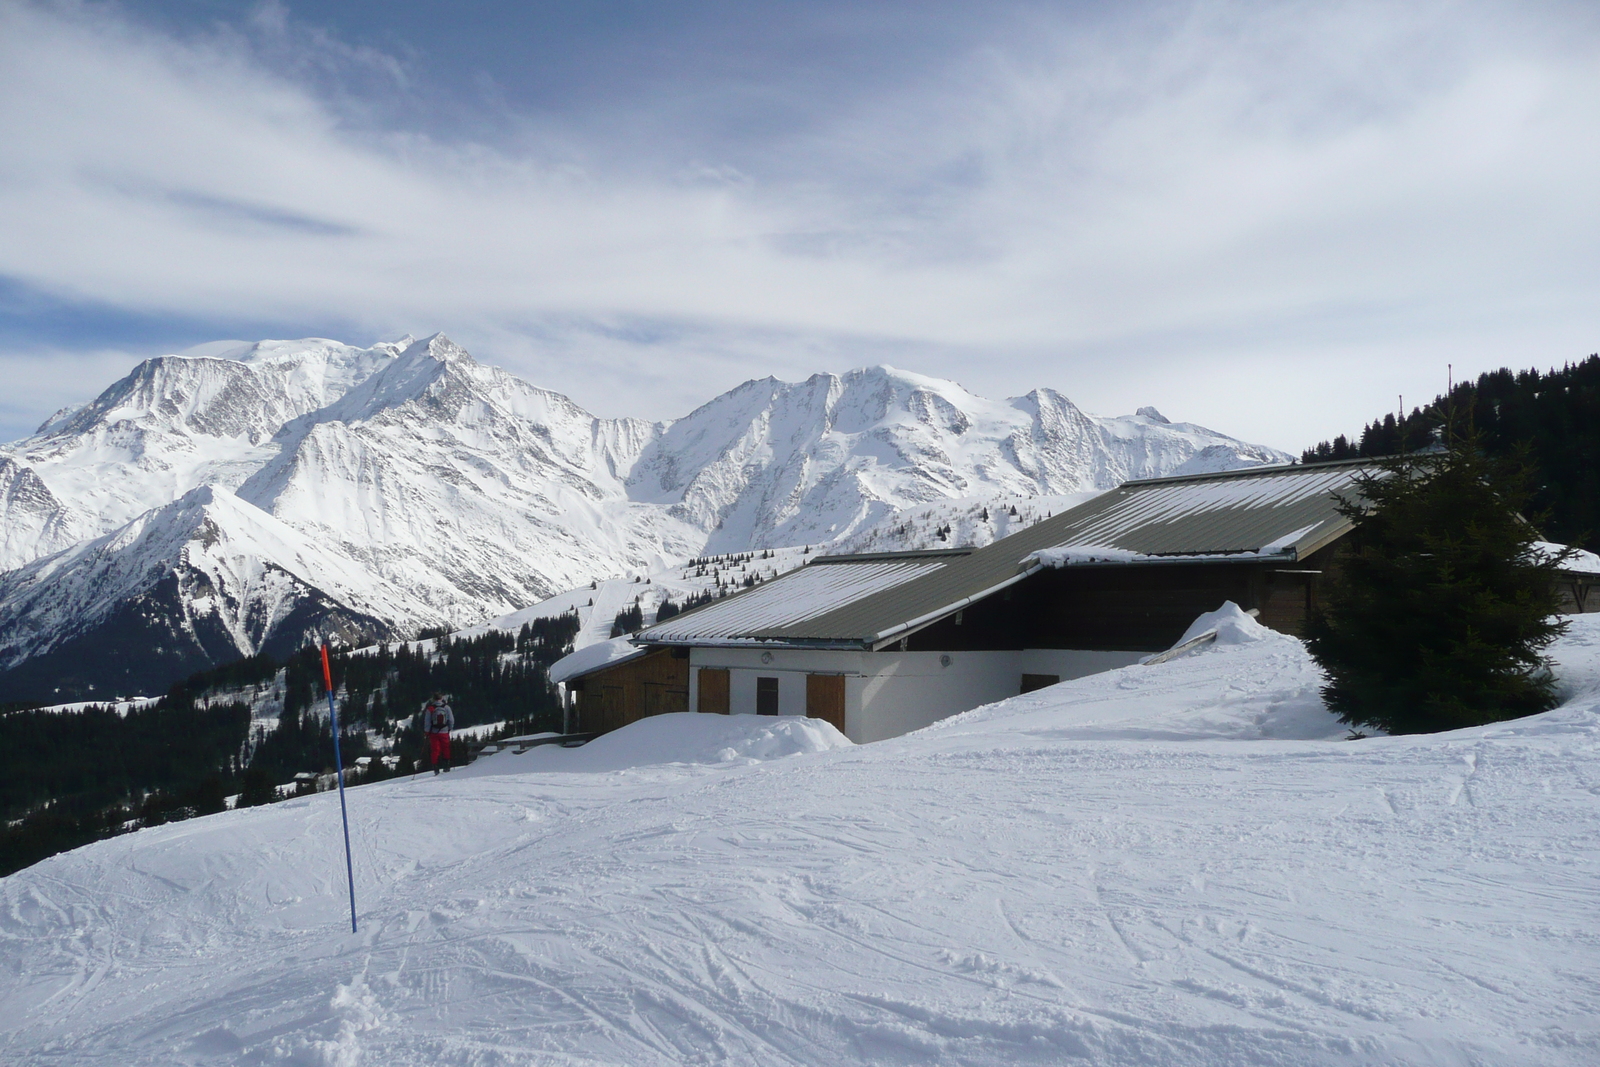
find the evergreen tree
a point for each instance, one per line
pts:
(256, 788)
(628, 620)
(1555, 414)
(1441, 605)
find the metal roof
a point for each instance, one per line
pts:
(868, 601)
(1289, 511)
(787, 603)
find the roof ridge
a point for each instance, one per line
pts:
(912, 553)
(1261, 470)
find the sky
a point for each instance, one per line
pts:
(1270, 218)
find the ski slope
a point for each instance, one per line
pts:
(1177, 864)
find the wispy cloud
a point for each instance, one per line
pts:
(1175, 205)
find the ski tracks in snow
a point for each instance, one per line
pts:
(955, 897)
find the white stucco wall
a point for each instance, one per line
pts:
(892, 693)
(905, 691)
(790, 667)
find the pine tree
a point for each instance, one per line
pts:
(1441, 606)
(256, 788)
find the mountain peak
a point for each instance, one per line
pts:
(438, 347)
(253, 492)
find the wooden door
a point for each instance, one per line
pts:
(613, 709)
(825, 698)
(713, 690)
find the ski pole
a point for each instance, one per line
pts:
(338, 766)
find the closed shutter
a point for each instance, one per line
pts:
(825, 698)
(713, 690)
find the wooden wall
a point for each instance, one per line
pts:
(1134, 608)
(1578, 596)
(653, 684)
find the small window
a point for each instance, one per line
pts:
(766, 696)
(1031, 682)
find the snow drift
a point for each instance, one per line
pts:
(677, 738)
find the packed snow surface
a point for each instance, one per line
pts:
(1178, 864)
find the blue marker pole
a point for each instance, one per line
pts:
(338, 765)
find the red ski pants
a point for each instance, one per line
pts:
(438, 749)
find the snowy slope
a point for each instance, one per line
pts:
(459, 492)
(963, 521)
(205, 578)
(1043, 881)
(33, 522)
(178, 422)
(465, 487)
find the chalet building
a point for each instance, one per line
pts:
(882, 644)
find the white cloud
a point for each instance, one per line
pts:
(1214, 208)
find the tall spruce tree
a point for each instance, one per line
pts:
(1442, 604)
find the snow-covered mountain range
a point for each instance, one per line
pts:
(203, 508)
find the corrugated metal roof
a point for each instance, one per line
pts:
(787, 602)
(1289, 510)
(1210, 516)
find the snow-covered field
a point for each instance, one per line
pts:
(1176, 864)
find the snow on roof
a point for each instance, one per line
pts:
(822, 586)
(591, 658)
(1580, 562)
(1086, 555)
(1069, 555)
(1279, 511)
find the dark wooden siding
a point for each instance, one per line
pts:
(1132, 608)
(992, 624)
(1577, 596)
(650, 685)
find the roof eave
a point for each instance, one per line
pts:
(840, 644)
(906, 629)
(1288, 555)
(1335, 530)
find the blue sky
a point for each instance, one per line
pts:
(1268, 218)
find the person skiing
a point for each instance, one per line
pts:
(437, 722)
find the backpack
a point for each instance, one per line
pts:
(438, 720)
